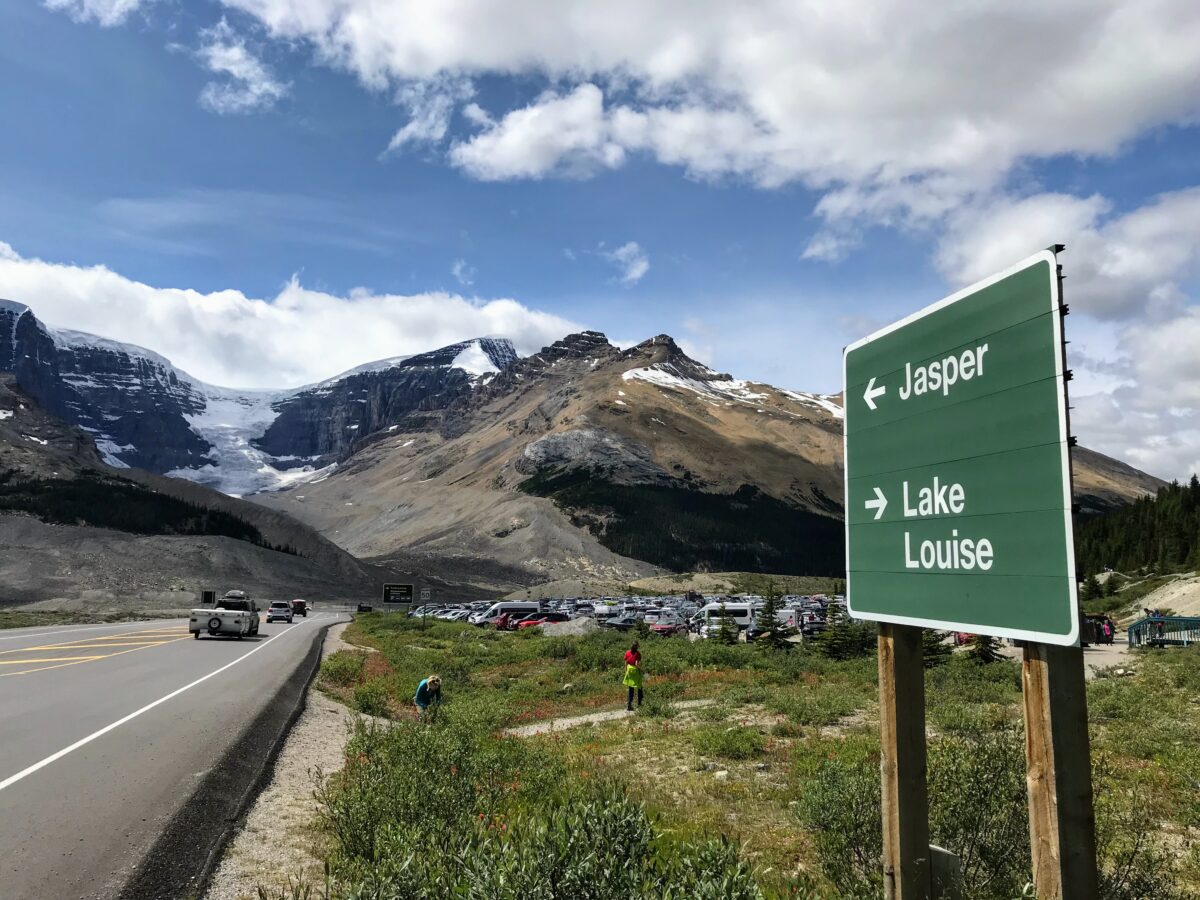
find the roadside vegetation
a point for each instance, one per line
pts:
(24, 618)
(770, 789)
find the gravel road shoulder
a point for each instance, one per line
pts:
(277, 840)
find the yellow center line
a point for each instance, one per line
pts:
(58, 664)
(152, 643)
(19, 662)
(111, 640)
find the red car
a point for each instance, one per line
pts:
(542, 618)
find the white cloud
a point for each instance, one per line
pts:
(105, 13)
(556, 135)
(893, 101)
(631, 260)
(297, 337)
(463, 273)
(1118, 264)
(1152, 419)
(430, 106)
(1136, 347)
(249, 84)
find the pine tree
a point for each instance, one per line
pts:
(773, 635)
(1090, 589)
(934, 648)
(845, 638)
(728, 632)
(984, 649)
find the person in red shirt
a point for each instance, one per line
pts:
(633, 675)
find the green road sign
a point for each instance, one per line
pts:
(397, 593)
(958, 485)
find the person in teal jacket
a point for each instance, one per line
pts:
(429, 696)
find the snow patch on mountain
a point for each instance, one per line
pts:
(665, 375)
(721, 389)
(821, 401)
(474, 361)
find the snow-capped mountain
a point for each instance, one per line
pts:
(144, 412)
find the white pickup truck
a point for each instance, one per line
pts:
(234, 614)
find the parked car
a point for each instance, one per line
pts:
(364, 607)
(669, 628)
(754, 632)
(279, 609)
(300, 607)
(620, 623)
(542, 618)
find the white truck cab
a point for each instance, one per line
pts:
(234, 614)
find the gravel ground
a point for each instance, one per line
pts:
(277, 839)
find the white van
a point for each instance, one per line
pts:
(515, 608)
(710, 616)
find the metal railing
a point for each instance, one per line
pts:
(1163, 631)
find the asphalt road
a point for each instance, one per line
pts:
(106, 731)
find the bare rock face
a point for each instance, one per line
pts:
(132, 401)
(143, 412)
(326, 422)
(620, 459)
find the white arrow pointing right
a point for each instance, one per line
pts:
(879, 504)
(872, 392)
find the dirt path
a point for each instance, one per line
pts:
(610, 715)
(1097, 656)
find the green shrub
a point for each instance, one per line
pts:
(560, 647)
(371, 698)
(819, 706)
(978, 808)
(839, 804)
(410, 781)
(657, 707)
(735, 742)
(343, 667)
(450, 810)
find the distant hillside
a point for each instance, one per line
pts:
(74, 530)
(578, 461)
(470, 465)
(1161, 532)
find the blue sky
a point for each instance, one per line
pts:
(637, 173)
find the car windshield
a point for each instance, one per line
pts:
(280, 605)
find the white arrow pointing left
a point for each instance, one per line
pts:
(872, 392)
(879, 504)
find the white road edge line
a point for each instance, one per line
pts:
(54, 757)
(78, 628)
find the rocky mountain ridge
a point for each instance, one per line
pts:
(469, 463)
(144, 412)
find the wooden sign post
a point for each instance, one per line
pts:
(958, 518)
(906, 870)
(1062, 823)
